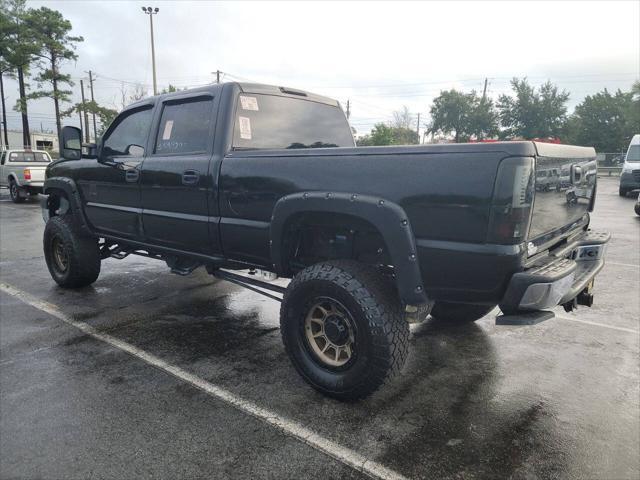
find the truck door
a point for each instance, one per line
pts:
(177, 186)
(110, 187)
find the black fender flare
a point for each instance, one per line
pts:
(388, 217)
(68, 186)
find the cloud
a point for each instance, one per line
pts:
(381, 55)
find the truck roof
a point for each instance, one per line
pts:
(245, 87)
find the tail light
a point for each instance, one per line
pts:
(27, 174)
(512, 201)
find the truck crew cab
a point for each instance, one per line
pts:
(246, 176)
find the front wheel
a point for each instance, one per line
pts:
(622, 192)
(459, 312)
(343, 328)
(73, 259)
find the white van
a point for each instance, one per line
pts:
(630, 176)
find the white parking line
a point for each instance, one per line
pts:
(340, 453)
(632, 265)
(596, 324)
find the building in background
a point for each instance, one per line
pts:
(39, 141)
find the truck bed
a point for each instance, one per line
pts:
(446, 191)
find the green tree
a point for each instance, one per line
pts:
(105, 115)
(532, 113)
(171, 89)
(633, 110)
(484, 118)
(602, 121)
(383, 134)
(18, 50)
(380, 135)
(404, 136)
(463, 116)
(55, 46)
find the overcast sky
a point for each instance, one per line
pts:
(379, 55)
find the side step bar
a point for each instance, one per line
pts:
(250, 283)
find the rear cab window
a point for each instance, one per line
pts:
(276, 122)
(32, 157)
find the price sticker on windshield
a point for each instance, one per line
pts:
(166, 134)
(249, 103)
(245, 128)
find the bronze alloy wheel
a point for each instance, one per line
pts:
(329, 332)
(60, 256)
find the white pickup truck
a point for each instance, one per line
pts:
(23, 172)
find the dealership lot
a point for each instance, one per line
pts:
(148, 374)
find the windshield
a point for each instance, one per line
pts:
(36, 157)
(634, 153)
(271, 121)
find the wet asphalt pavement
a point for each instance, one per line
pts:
(555, 400)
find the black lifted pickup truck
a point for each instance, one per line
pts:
(268, 180)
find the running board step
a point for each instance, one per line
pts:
(252, 284)
(525, 318)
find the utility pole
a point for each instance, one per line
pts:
(79, 118)
(151, 12)
(484, 90)
(348, 109)
(418, 127)
(86, 117)
(95, 130)
(217, 76)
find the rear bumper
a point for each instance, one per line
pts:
(559, 278)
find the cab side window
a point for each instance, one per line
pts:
(185, 126)
(129, 136)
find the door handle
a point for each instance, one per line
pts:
(132, 175)
(190, 177)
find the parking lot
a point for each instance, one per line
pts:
(150, 375)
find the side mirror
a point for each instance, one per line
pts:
(71, 143)
(135, 150)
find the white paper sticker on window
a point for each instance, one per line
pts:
(166, 135)
(249, 103)
(245, 128)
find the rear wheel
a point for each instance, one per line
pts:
(343, 328)
(14, 192)
(72, 258)
(459, 312)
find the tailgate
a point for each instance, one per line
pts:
(565, 184)
(37, 172)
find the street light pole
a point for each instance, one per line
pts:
(151, 12)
